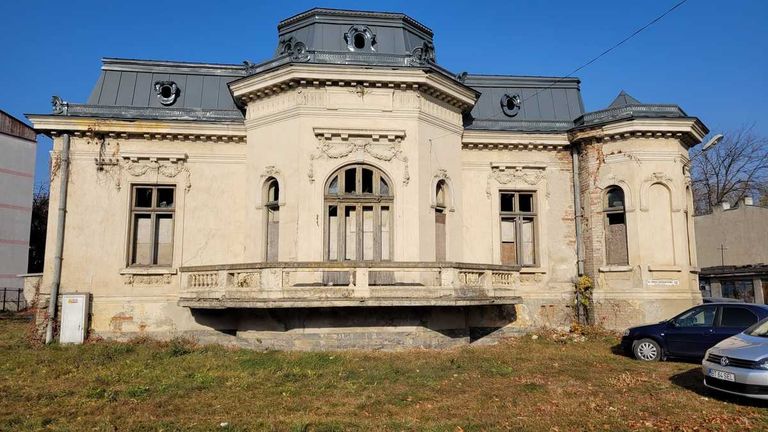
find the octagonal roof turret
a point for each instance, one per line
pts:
(336, 36)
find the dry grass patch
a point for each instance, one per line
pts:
(548, 383)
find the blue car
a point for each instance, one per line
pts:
(693, 332)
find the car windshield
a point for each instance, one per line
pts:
(760, 329)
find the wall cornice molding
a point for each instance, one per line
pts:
(286, 78)
(155, 130)
(690, 131)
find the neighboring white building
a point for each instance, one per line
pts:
(351, 192)
(17, 177)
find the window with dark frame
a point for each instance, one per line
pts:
(272, 207)
(152, 225)
(517, 212)
(616, 251)
(441, 199)
(358, 208)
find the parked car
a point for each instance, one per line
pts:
(693, 332)
(739, 364)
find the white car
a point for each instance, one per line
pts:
(739, 364)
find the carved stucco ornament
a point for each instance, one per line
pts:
(384, 147)
(140, 279)
(504, 174)
(140, 165)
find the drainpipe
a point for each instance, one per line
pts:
(577, 208)
(52, 304)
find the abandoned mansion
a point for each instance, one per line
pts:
(350, 192)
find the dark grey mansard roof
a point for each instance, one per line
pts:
(546, 104)
(126, 89)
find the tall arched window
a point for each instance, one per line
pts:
(272, 209)
(441, 204)
(615, 227)
(358, 215)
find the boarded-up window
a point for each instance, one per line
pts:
(152, 225)
(616, 251)
(518, 218)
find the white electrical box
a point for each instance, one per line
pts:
(74, 318)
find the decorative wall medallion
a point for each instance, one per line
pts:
(167, 92)
(514, 174)
(385, 146)
(510, 104)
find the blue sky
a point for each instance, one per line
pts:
(708, 56)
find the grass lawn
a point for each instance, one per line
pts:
(525, 384)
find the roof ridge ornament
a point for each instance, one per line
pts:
(59, 106)
(293, 48)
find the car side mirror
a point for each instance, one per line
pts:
(673, 323)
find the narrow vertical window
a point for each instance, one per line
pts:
(272, 208)
(615, 227)
(518, 218)
(441, 197)
(152, 225)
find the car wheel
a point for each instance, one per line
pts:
(647, 350)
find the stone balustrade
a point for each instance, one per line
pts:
(341, 284)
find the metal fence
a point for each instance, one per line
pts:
(12, 300)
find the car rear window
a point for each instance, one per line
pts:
(737, 317)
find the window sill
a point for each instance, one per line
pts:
(148, 271)
(664, 268)
(533, 270)
(615, 269)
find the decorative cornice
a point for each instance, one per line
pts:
(291, 76)
(690, 131)
(155, 130)
(498, 140)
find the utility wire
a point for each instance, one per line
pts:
(636, 32)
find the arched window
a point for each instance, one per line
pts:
(441, 203)
(358, 215)
(272, 209)
(616, 252)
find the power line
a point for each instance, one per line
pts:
(636, 32)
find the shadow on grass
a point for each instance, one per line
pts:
(693, 380)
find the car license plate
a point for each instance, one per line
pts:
(727, 376)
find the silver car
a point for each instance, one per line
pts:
(739, 364)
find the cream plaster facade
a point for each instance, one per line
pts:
(303, 122)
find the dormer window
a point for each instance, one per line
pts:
(360, 38)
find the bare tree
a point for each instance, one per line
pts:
(735, 168)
